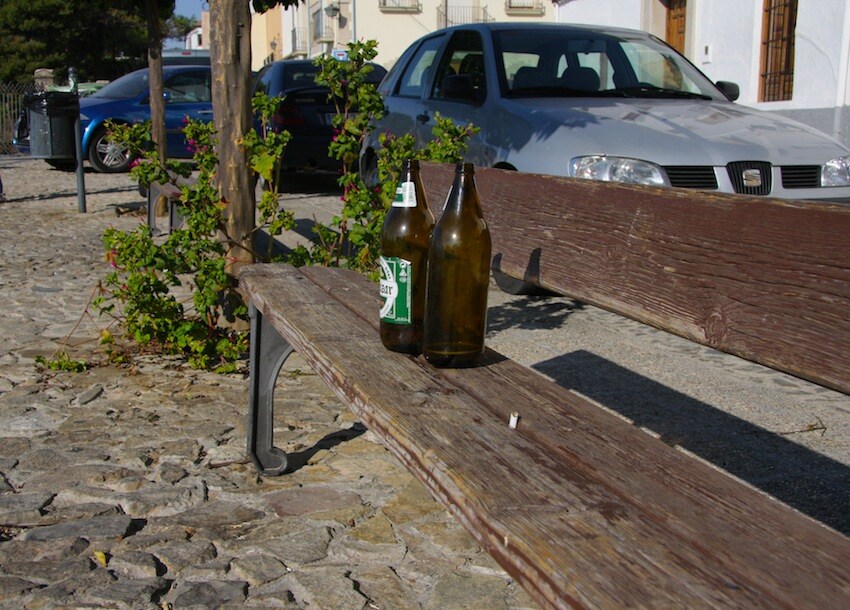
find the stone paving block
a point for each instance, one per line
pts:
(22, 509)
(384, 589)
(107, 527)
(299, 548)
(325, 587)
(204, 595)
(74, 512)
(276, 594)
(126, 594)
(13, 587)
(257, 569)
(179, 555)
(136, 565)
(49, 550)
(171, 473)
(457, 590)
(307, 500)
(48, 572)
(216, 569)
(216, 515)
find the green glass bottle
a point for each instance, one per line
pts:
(458, 278)
(404, 255)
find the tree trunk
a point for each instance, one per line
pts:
(155, 65)
(230, 55)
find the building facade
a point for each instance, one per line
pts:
(787, 56)
(319, 27)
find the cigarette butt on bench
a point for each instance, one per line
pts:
(514, 419)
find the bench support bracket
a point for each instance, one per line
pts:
(268, 353)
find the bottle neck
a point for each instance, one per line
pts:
(462, 187)
(411, 167)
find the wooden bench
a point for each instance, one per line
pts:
(582, 508)
(163, 200)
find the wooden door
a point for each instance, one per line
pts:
(676, 10)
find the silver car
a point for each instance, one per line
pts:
(604, 104)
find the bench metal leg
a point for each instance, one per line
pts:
(175, 218)
(152, 212)
(268, 353)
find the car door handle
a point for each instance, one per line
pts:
(423, 118)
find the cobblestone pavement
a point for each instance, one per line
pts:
(128, 487)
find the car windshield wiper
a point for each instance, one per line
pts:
(556, 91)
(660, 92)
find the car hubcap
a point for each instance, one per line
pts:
(111, 154)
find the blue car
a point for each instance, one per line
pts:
(187, 92)
(127, 100)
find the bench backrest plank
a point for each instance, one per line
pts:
(765, 279)
(608, 516)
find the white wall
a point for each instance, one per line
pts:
(617, 13)
(726, 36)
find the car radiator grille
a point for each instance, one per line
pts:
(800, 176)
(750, 177)
(702, 177)
(691, 177)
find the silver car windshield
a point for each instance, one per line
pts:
(537, 63)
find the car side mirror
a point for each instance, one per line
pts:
(166, 96)
(458, 87)
(731, 90)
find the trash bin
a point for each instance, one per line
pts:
(51, 116)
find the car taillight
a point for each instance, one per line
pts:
(288, 116)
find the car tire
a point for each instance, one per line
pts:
(369, 169)
(106, 156)
(63, 165)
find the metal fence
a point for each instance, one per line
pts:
(11, 104)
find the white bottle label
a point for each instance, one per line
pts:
(405, 195)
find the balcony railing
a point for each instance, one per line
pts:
(524, 7)
(400, 6)
(458, 15)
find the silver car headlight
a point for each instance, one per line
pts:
(836, 172)
(618, 169)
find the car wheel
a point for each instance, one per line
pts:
(65, 165)
(107, 156)
(369, 169)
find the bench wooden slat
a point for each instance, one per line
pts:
(766, 279)
(734, 521)
(583, 527)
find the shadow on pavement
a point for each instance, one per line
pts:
(806, 480)
(301, 458)
(530, 313)
(322, 183)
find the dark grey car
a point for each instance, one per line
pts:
(604, 104)
(306, 112)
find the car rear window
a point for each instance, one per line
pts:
(126, 87)
(302, 76)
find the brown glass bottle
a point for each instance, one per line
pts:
(404, 255)
(458, 278)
